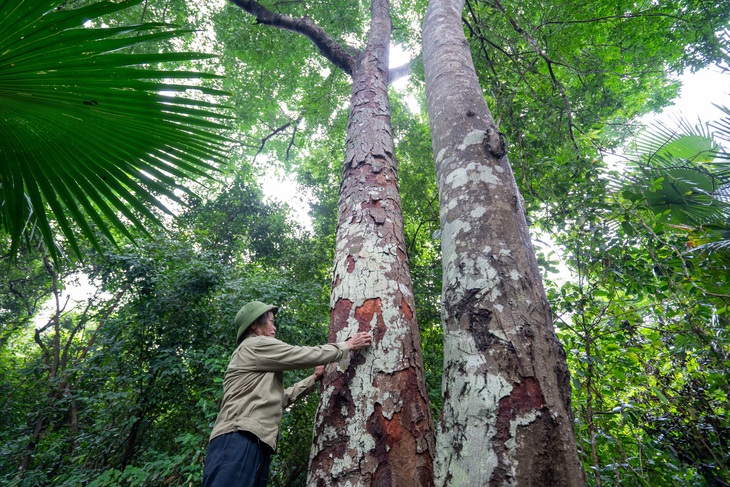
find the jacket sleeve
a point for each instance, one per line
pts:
(298, 390)
(272, 355)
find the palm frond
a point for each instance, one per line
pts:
(676, 172)
(721, 128)
(90, 133)
(662, 144)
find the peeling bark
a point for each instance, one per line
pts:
(373, 426)
(506, 412)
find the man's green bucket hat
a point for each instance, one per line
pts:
(248, 314)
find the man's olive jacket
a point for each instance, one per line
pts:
(253, 387)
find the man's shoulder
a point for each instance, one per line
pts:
(263, 339)
(256, 341)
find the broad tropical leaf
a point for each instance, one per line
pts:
(688, 191)
(91, 133)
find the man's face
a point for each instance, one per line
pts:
(267, 328)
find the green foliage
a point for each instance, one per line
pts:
(645, 320)
(132, 398)
(643, 349)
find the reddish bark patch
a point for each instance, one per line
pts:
(386, 431)
(338, 317)
(370, 203)
(376, 210)
(405, 309)
(377, 177)
(396, 439)
(350, 264)
(402, 256)
(379, 215)
(364, 316)
(526, 396)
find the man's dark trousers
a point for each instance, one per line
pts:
(237, 459)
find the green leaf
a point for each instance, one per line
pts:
(660, 395)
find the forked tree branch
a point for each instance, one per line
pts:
(339, 55)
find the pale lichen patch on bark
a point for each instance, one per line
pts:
(525, 419)
(478, 212)
(449, 234)
(472, 138)
(473, 404)
(457, 178)
(482, 173)
(462, 175)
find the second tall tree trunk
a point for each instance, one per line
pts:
(506, 392)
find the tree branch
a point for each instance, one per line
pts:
(476, 32)
(401, 71)
(337, 54)
(293, 136)
(625, 16)
(533, 43)
(275, 132)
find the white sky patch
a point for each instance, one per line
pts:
(554, 254)
(399, 57)
(77, 289)
(699, 91)
(284, 189)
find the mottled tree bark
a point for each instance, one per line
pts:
(506, 392)
(373, 426)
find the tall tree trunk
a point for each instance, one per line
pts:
(506, 390)
(373, 426)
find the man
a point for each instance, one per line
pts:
(246, 430)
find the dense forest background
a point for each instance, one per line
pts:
(631, 228)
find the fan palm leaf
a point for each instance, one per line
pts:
(690, 193)
(90, 133)
(684, 174)
(662, 143)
